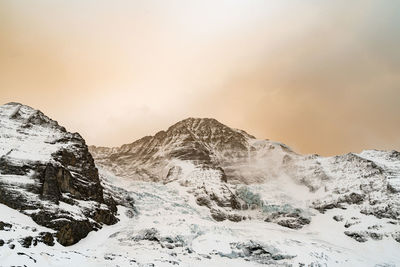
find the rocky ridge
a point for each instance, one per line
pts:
(48, 173)
(229, 172)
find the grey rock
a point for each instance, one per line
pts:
(358, 236)
(338, 218)
(235, 217)
(396, 236)
(375, 236)
(204, 201)
(150, 234)
(218, 215)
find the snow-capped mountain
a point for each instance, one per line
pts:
(199, 193)
(216, 162)
(240, 178)
(48, 174)
(205, 142)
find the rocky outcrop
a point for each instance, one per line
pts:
(73, 231)
(46, 238)
(218, 215)
(363, 236)
(49, 174)
(43, 237)
(257, 252)
(338, 218)
(5, 226)
(358, 236)
(153, 235)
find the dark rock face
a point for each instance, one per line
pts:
(58, 180)
(26, 242)
(73, 231)
(61, 171)
(46, 238)
(43, 237)
(105, 216)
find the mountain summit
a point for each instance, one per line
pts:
(204, 142)
(49, 174)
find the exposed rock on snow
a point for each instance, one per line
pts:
(49, 174)
(215, 163)
(257, 252)
(199, 193)
(358, 236)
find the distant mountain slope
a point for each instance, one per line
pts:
(222, 167)
(48, 173)
(205, 142)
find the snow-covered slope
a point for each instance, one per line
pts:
(240, 179)
(204, 142)
(168, 228)
(199, 193)
(49, 174)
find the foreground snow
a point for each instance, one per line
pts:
(169, 228)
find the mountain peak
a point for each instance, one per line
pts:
(11, 105)
(43, 165)
(25, 116)
(206, 127)
(194, 122)
(203, 141)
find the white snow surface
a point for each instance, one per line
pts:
(34, 143)
(172, 211)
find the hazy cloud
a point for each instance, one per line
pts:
(321, 76)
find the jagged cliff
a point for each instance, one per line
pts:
(48, 173)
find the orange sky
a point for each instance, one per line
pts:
(322, 77)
